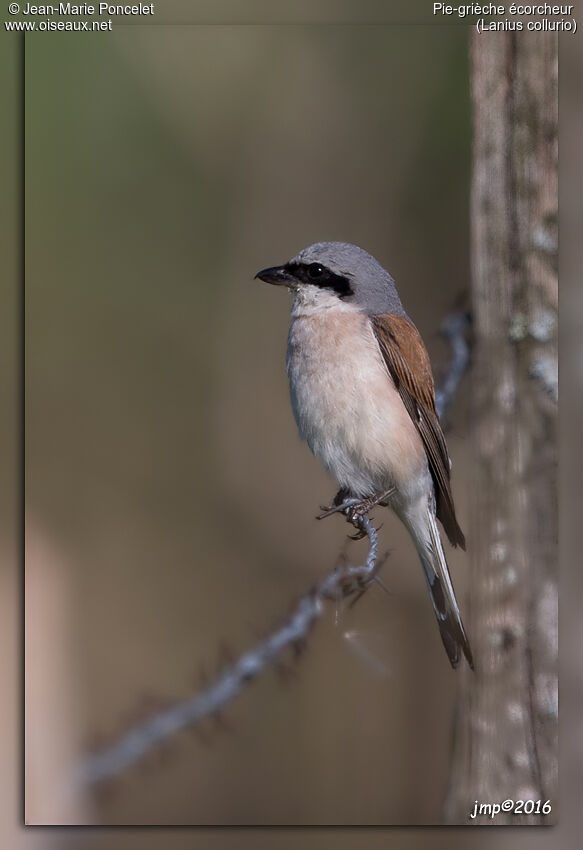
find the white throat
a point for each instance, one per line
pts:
(309, 300)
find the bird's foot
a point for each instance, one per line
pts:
(338, 504)
(354, 509)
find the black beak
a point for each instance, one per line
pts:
(277, 275)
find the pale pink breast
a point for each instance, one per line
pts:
(346, 405)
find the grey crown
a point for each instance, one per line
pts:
(374, 288)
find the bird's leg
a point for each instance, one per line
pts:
(354, 509)
(337, 505)
(355, 512)
(341, 496)
(366, 505)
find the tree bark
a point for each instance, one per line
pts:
(505, 742)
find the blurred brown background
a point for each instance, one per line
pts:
(170, 503)
(103, 635)
(166, 486)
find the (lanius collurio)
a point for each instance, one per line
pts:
(363, 399)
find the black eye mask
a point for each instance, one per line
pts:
(318, 275)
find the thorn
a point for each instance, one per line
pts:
(219, 719)
(298, 647)
(328, 511)
(284, 671)
(147, 706)
(342, 508)
(356, 598)
(381, 583)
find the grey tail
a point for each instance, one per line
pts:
(443, 598)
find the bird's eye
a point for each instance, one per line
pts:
(315, 270)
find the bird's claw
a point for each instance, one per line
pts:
(329, 510)
(354, 510)
(354, 515)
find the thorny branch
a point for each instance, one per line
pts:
(453, 328)
(341, 582)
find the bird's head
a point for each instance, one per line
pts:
(327, 271)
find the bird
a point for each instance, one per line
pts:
(363, 399)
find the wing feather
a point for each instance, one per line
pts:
(408, 364)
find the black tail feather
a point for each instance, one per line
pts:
(447, 613)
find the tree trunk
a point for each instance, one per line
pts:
(506, 729)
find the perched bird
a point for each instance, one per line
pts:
(363, 398)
